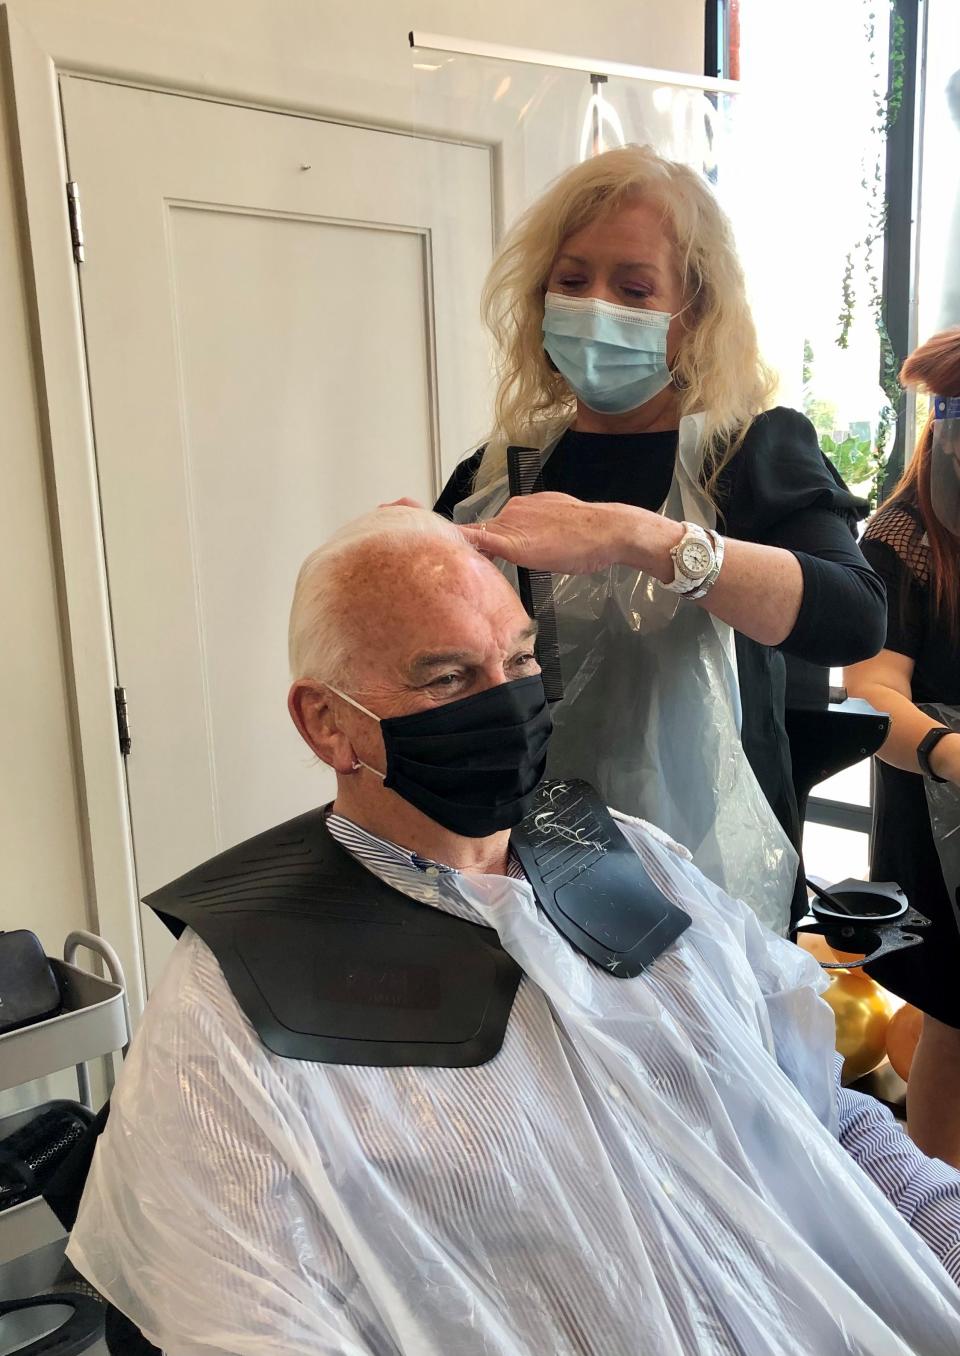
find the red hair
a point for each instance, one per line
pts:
(934, 367)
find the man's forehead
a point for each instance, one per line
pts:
(440, 582)
(444, 601)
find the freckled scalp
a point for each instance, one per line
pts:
(390, 586)
(373, 550)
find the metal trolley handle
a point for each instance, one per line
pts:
(111, 960)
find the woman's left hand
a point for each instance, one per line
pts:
(550, 531)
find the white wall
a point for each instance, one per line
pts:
(343, 57)
(41, 856)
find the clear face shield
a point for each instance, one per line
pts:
(945, 462)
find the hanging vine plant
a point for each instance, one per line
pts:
(888, 100)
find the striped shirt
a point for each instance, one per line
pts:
(925, 1191)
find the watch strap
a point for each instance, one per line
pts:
(926, 746)
(711, 578)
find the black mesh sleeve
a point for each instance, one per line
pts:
(894, 546)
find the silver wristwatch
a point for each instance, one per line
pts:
(697, 558)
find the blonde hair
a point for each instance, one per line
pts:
(718, 368)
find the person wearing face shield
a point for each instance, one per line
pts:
(913, 542)
(468, 1063)
(695, 535)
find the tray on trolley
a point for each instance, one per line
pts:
(91, 1023)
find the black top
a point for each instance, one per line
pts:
(903, 846)
(779, 490)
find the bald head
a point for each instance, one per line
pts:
(398, 590)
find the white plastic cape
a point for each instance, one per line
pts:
(649, 1167)
(651, 710)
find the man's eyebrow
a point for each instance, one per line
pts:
(435, 658)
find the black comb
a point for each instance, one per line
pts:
(525, 474)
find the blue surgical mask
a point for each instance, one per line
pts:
(614, 357)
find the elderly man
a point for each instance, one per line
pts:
(412, 1084)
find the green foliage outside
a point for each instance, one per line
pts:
(821, 413)
(858, 457)
(854, 458)
(889, 68)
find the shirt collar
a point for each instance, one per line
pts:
(374, 850)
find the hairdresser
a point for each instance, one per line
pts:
(914, 544)
(695, 536)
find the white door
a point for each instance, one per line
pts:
(282, 331)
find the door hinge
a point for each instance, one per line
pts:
(123, 724)
(76, 220)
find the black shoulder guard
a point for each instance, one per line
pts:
(591, 884)
(330, 964)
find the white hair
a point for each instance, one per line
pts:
(317, 645)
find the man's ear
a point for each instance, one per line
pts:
(310, 710)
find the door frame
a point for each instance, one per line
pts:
(52, 295)
(66, 426)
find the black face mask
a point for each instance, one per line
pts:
(474, 764)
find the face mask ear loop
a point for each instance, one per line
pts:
(685, 307)
(358, 763)
(687, 304)
(331, 688)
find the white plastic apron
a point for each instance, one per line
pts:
(651, 710)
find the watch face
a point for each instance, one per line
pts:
(695, 559)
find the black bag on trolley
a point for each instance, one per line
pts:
(29, 991)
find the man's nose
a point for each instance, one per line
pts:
(493, 675)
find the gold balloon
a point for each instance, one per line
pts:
(821, 950)
(846, 955)
(903, 1034)
(816, 944)
(862, 1010)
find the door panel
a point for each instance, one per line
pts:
(274, 460)
(281, 332)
